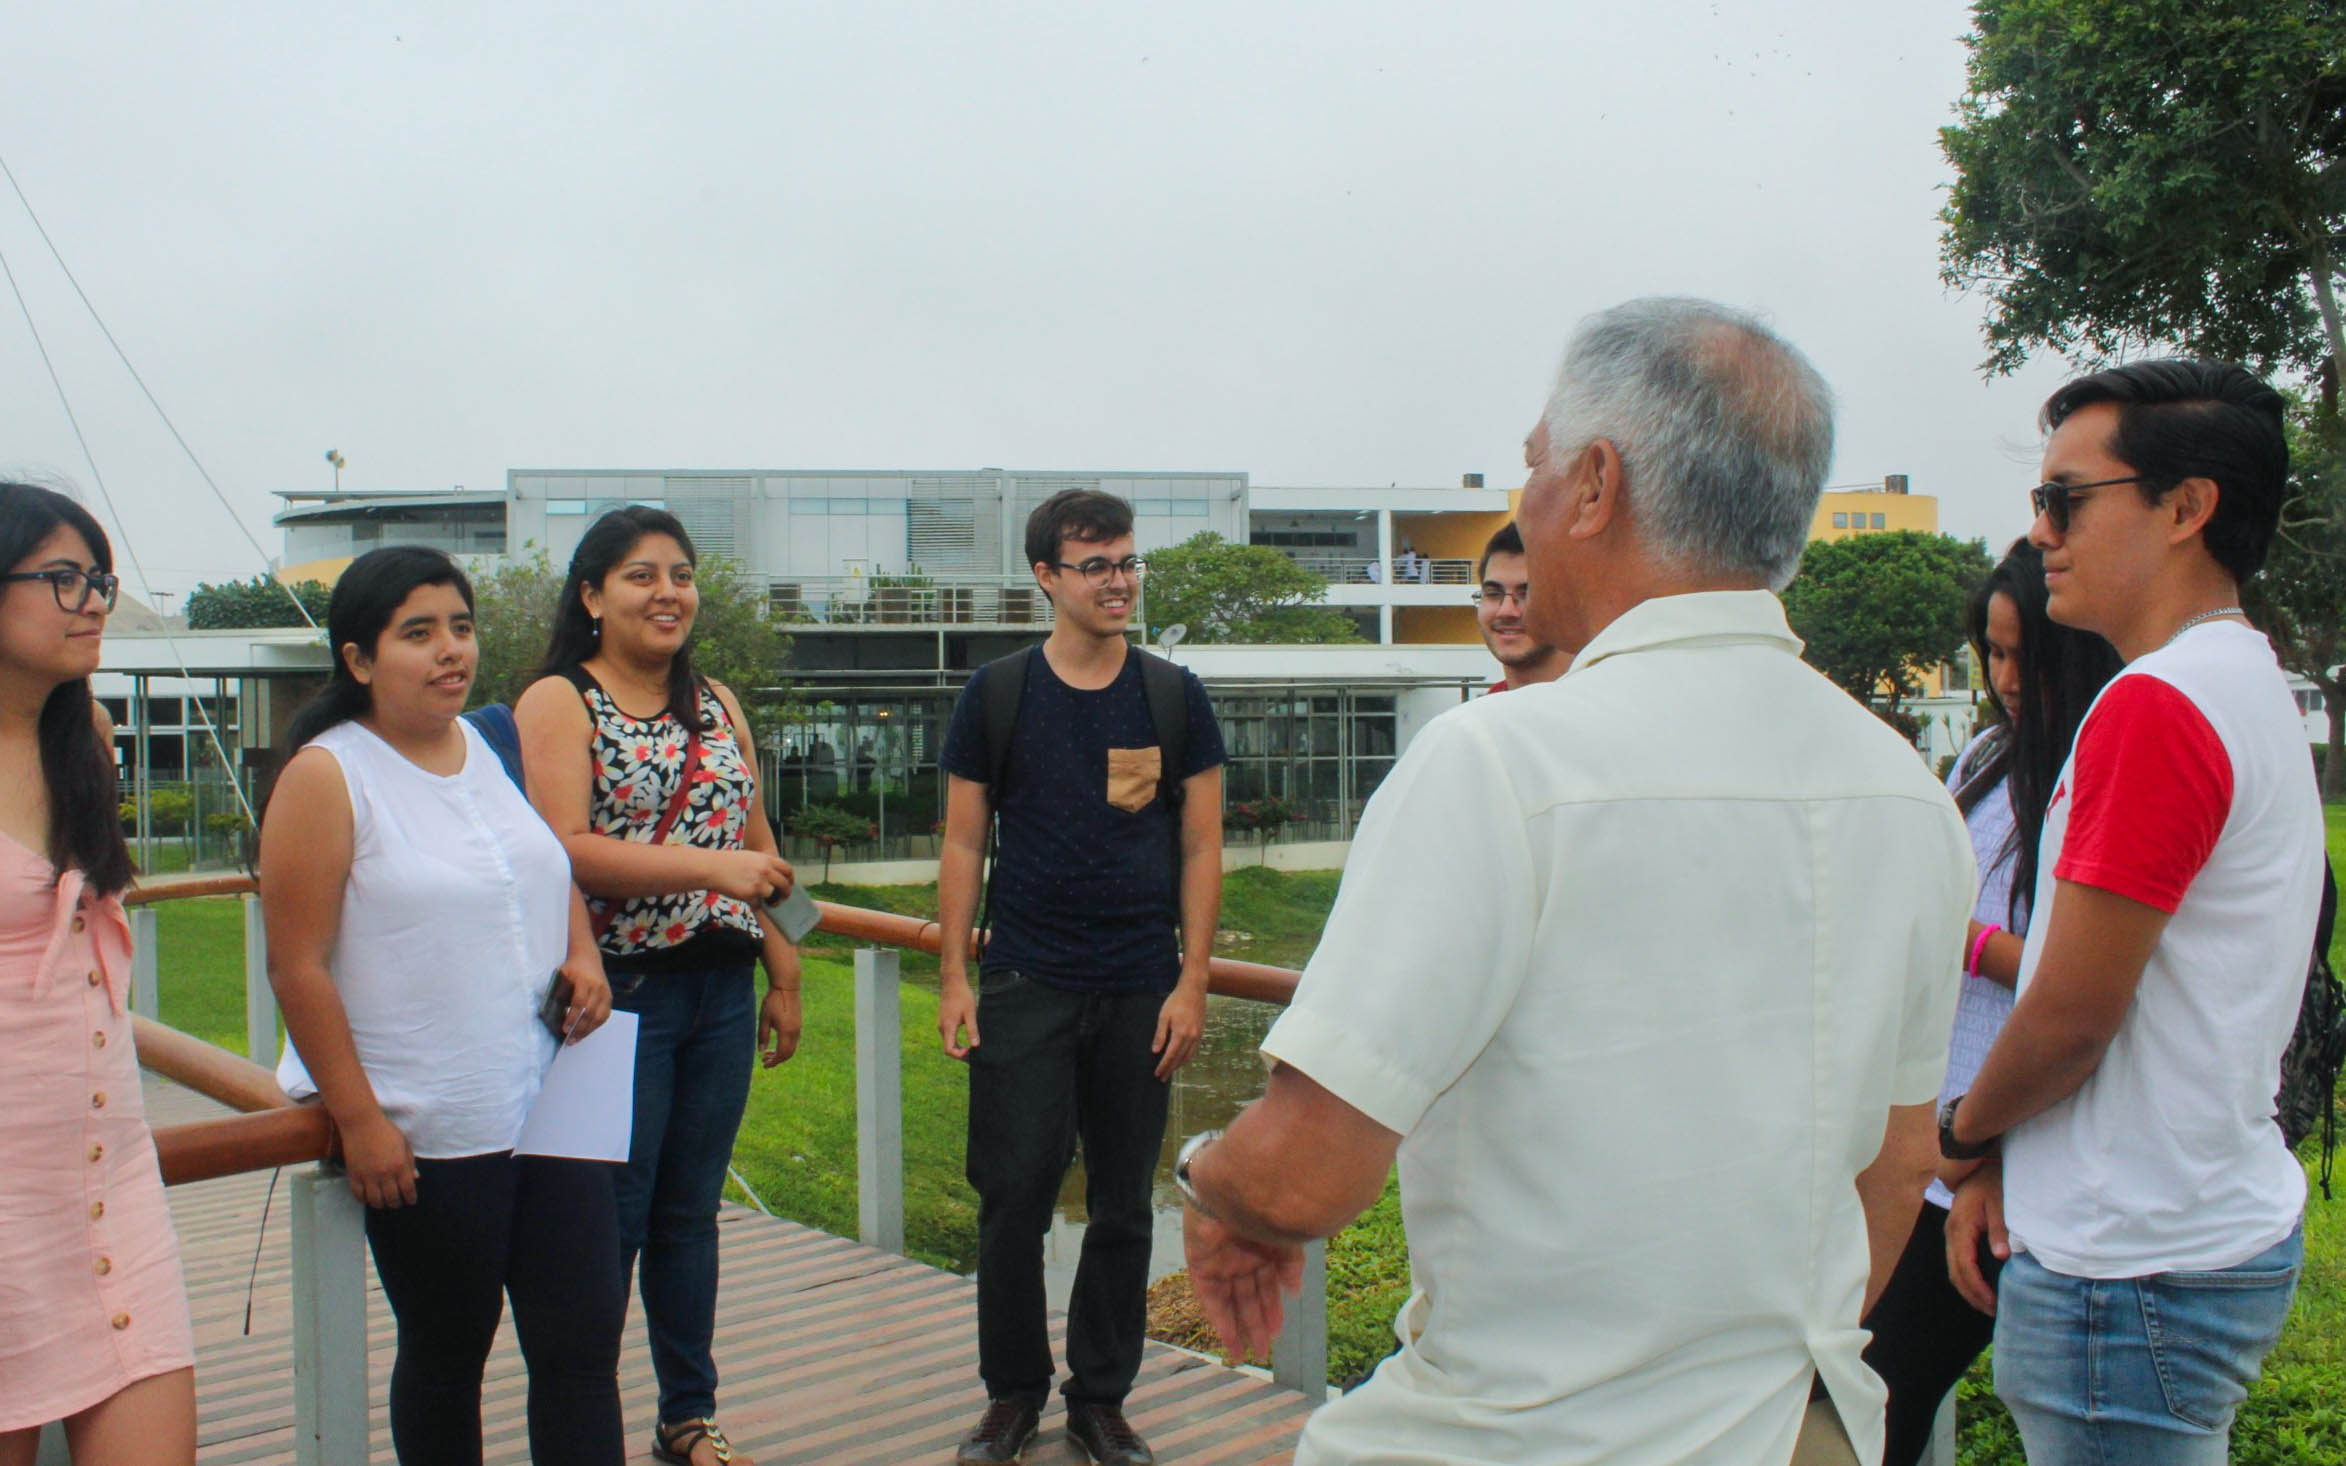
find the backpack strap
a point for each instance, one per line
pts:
(1168, 699)
(494, 722)
(1005, 685)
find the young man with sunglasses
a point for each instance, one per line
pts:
(1108, 806)
(2122, 1129)
(1502, 594)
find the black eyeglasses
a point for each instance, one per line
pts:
(1500, 595)
(1098, 568)
(2052, 500)
(74, 586)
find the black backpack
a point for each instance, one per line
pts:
(2309, 1066)
(1160, 681)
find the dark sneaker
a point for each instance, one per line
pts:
(1106, 1436)
(999, 1436)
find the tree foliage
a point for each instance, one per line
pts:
(2153, 172)
(261, 601)
(1240, 593)
(1878, 611)
(2299, 599)
(735, 638)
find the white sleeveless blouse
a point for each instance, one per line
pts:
(456, 913)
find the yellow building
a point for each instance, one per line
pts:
(1844, 512)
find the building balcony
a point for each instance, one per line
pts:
(912, 602)
(1401, 570)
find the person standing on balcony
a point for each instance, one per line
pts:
(646, 771)
(1651, 1021)
(1502, 592)
(1110, 843)
(2119, 1135)
(419, 916)
(93, 1316)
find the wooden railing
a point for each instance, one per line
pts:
(269, 1130)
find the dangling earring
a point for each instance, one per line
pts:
(597, 623)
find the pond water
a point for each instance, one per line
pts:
(1223, 1077)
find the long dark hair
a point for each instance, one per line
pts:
(365, 599)
(85, 817)
(606, 544)
(2061, 670)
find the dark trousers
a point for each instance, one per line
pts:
(1924, 1335)
(540, 1230)
(1053, 1067)
(695, 1036)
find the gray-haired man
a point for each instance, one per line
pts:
(1652, 1021)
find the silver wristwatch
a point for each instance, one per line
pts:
(1181, 1164)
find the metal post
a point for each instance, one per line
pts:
(1299, 1357)
(879, 1100)
(329, 1321)
(1941, 1450)
(143, 776)
(260, 1003)
(145, 987)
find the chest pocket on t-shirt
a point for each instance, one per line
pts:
(1132, 777)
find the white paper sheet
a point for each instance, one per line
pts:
(586, 1107)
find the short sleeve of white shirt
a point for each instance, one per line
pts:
(1428, 943)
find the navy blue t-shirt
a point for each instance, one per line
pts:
(1083, 894)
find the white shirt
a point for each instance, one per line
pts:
(456, 913)
(2189, 790)
(1638, 993)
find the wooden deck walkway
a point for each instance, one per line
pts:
(831, 1351)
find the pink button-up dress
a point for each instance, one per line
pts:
(90, 1291)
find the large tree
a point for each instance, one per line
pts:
(260, 601)
(1239, 593)
(2300, 598)
(736, 639)
(2171, 175)
(2153, 173)
(1879, 611)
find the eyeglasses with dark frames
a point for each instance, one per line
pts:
(1499, 595)
(1098, 568)
(73, 586)
(2054, 500)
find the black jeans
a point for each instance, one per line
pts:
(1925, 1335)
(1054, 1066)
(545, 1231)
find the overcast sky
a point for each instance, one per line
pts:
(1323, 244)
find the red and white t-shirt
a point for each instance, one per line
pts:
(2188, 790)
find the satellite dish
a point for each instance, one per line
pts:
(1171, 636)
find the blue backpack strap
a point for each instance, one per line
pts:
(495, 724)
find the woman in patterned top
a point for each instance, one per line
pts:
(644, 770)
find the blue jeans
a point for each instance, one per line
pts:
(694, 1044)
(2140, 1371)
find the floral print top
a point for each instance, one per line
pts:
(637, 764)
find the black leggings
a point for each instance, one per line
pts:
(547, 1232)
(1925, 1335)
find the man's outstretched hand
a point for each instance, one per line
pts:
(1241, 1284)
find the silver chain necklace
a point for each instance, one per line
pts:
(2202, 616)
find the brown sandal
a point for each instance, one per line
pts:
(674, 1444)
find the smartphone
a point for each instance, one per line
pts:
(794, 915)
(555, 1011)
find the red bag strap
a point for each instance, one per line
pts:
(668, 817)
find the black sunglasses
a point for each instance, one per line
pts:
(2053, 500)
(73, 586)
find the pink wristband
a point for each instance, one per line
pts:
(1979, 947)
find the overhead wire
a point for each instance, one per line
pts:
(129, 550)
(148, 393)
